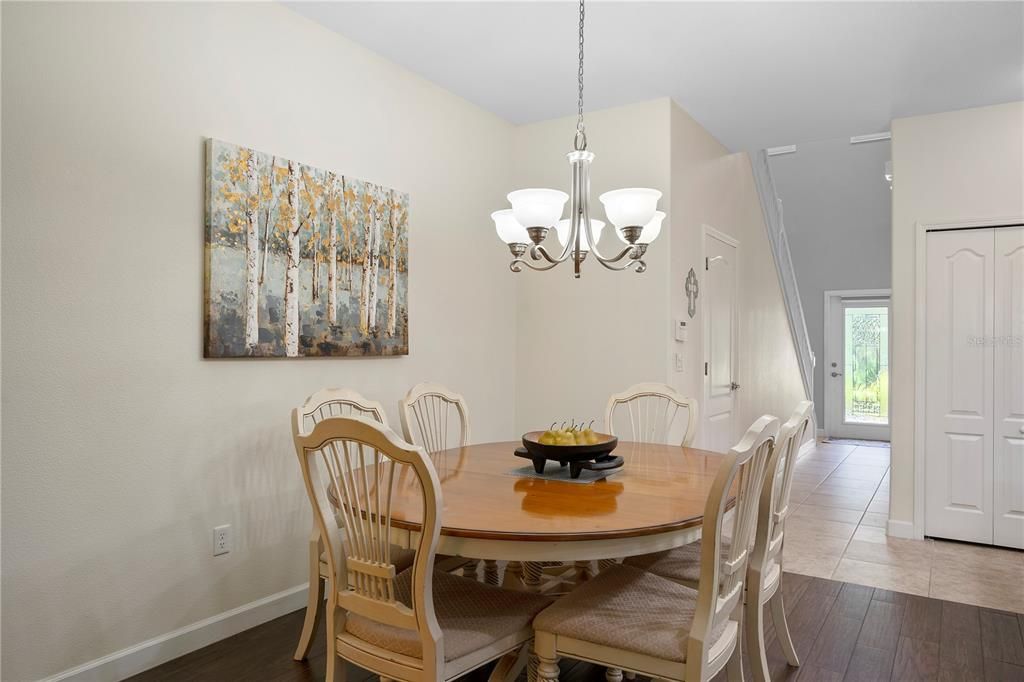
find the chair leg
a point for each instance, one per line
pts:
(314, 601)
(753, 621)
(782, 628)
(471, 570)
(336, 666)
(612, 675)
(547, 657)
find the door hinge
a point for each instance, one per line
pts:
(705, 369)
(707, 265)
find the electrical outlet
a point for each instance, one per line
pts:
(221, 540)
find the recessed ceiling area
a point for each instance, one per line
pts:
(756, 74)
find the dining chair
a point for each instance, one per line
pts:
(635, 621)
(764, 572)
(653, 410)
(431, 416)
(434, 411)
(332, 402)
(419, 624)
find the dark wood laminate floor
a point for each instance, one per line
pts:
(842, 632)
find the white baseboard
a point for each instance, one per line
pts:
(902, 529)
(821, 434)
(145, 655)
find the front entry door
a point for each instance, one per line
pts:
(721, 292)
(857, 365)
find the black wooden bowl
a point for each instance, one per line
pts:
(565, 454)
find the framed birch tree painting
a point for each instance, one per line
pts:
(302, 261)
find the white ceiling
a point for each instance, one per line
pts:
(756, 74)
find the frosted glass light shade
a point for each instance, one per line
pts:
(650, 231)
(508, 228)
(537, 207)
(562, 228)
(630, 207)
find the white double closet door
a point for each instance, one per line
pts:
(974, 440)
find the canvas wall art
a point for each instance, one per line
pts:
(302, 261)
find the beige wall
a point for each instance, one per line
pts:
(578, 341)
(712, 187)
(122, 447)
(957, 166)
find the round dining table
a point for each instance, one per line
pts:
(496, 508)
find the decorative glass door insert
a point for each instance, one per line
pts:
(866, 364)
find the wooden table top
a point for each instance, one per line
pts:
(659, 488)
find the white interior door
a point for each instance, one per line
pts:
(721, 334)
(1008, 348)
(959, 389)
(857, 370)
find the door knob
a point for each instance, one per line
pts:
(837, 374)
(1022, 429)
(733, 386)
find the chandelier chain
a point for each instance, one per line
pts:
(580, 131)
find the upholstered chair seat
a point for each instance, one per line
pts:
(472, 616)
(627, 608)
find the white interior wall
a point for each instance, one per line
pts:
(958, 166)
(838, 218)
(122, 447)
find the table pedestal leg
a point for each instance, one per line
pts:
(513, 576)
(490, 571)
(612, 675)
(584, 571)
(605, 564)
(533, 573)
(531, 667)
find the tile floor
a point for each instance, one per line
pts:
(838, 530)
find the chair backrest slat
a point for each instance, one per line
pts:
(653, 410)
(722, 574)
(353, 460)
(429, 407)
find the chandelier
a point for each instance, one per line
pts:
(633, 213)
